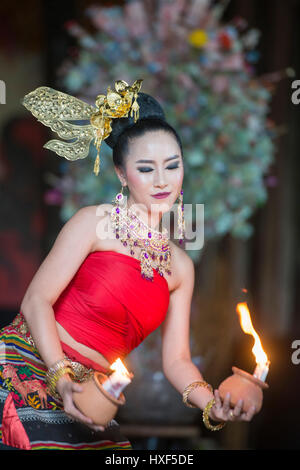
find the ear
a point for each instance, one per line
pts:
(121, 176)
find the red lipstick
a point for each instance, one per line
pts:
(160, 195)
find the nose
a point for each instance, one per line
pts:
(160, 179)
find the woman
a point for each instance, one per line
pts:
(89, 304)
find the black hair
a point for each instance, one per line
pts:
(140, 128)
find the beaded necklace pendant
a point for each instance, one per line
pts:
(133, 232)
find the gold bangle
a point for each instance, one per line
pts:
(54, 378)
(206, 411)
(57, 365)
(191, 387)
(51, 372)
(57, 375)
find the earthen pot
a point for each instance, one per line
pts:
(95, 402)
(242, 385)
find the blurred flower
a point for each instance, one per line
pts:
(225, 40)
(251, 38)
(252, 56)
(233, 62)
(198, 38)
(53, 197)
(271, 181)
(220, 83)
(200, 69)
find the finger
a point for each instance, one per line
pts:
(250, 413)
(218, 400)
(238, 408)
(76, 387)
(226, 403)
(75, 412)
(77, 415)
(96, 427)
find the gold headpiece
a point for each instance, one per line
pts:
(54, 108)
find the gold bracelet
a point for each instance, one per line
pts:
(191, 387)
(206, 411)
(57, 365)
(54, 378)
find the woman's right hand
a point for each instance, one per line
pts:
(65, 387)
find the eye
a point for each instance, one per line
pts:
(173, 166)
(145, 169)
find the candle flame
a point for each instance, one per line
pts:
(119, 367)
(247, 327)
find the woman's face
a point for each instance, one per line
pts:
(154, 165)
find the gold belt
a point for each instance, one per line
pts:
(82, 373)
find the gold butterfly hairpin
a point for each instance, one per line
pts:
(54, 109)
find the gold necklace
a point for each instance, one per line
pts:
(134, 232)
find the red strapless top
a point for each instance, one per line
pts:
(109, 307)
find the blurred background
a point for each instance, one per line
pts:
(223, 71)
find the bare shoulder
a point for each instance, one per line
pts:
(182, 264)
(96, 213)
(98, 217)
(72, 245)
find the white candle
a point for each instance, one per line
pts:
(118, 380)
(116, 383)
(261, 371)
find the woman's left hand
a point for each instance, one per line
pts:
(223, 412)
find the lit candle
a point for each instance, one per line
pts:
(261, 371)
(118, 380)
(262, 361)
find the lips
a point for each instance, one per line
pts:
(161, 195)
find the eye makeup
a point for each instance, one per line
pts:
(147, 169)
(143, 169)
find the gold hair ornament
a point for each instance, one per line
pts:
(54, 109)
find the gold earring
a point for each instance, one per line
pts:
(118, 201)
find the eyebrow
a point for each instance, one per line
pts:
(152, 161)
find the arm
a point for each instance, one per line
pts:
(71, 247)
(176, 356)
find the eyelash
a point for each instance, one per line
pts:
(147, 169)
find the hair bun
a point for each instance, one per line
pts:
(149, 108)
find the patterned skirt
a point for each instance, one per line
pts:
(30, 418)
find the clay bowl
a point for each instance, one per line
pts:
(95, 402)
(243, 385)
